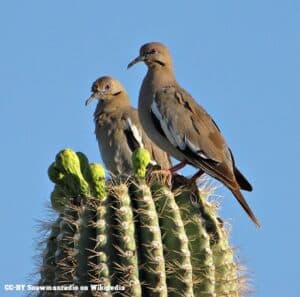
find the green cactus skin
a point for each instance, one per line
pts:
(175, 243)
(100, 206)
(86, 244)
(85, 166)
(125, 262)
(65, 255)
(68, 163)
(150, 247)
(97, 180)
(226, 270)
(140, 235)
(58, 198)
(48, 260)
(102, 271)
(199, 241)
(140, 160)
(54, 174)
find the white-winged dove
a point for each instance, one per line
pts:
(118, 129)
(181, 127)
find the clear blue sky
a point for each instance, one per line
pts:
(239, 59)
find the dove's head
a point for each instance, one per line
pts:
(154, 54)
(106, 88)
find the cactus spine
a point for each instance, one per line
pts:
(134, 238)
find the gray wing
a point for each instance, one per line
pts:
(193, 132)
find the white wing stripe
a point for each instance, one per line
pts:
(137, 136)
(135, 132)
(163, 123)
(176, 139)
(194, 148)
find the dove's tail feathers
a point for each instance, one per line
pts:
(238, 195)
(242, 180)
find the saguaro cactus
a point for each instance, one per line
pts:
(133, 238)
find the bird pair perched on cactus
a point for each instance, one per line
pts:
(168, 122)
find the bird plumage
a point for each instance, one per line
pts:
(118, 129)
(181, 127)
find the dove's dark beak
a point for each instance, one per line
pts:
(135, 61)
(90, 99)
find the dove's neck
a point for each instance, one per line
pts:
(114, 104)
(158, 78)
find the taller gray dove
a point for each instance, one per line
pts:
(118, 129)
(178, 125)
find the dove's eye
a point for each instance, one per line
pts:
(107, 87)
(152, 51)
